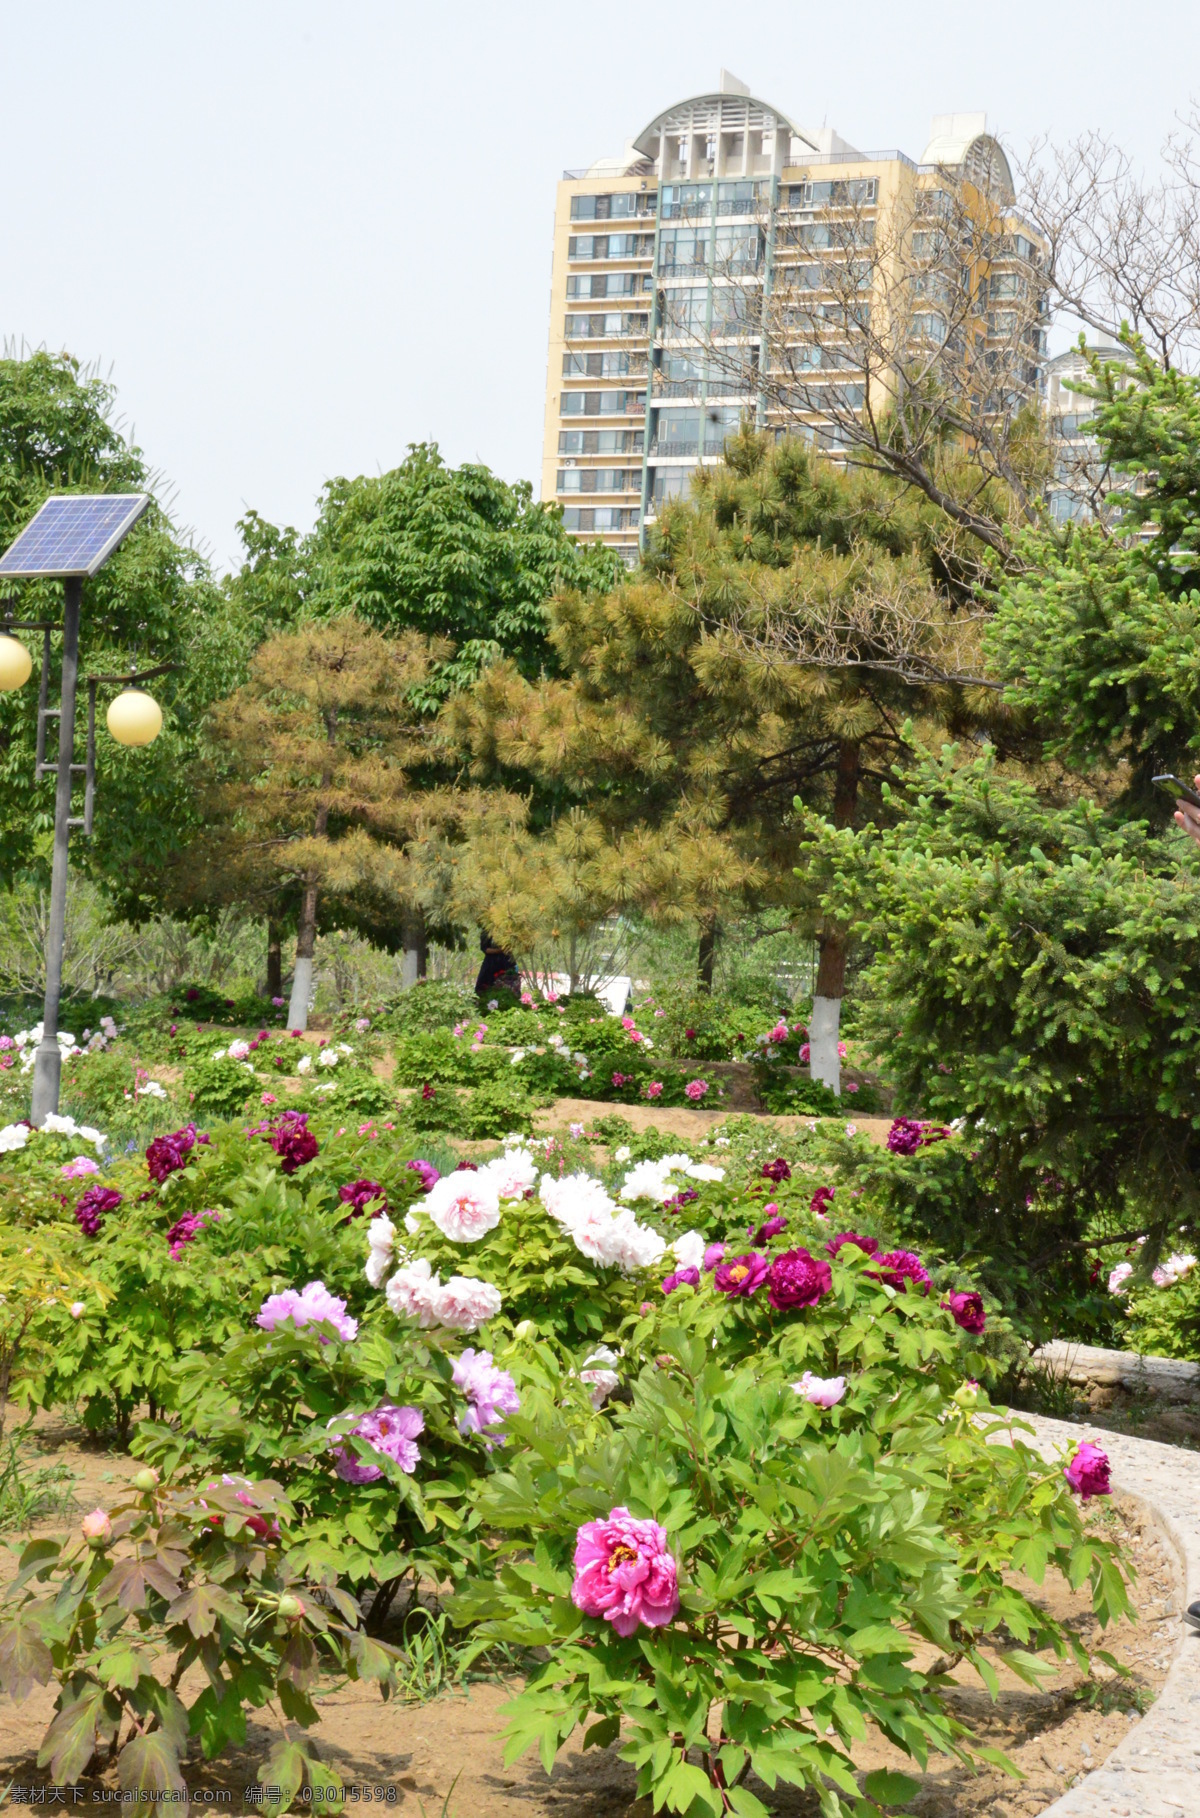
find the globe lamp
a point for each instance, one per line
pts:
(15, 663)
(134, 717)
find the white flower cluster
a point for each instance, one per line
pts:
(25, 1042)
(14, 1136)
(54, 1125)
(601, 1230)
(415, 1292)
(330, 1056)
(652, 1179)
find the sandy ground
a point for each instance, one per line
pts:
(683, 1121)
(444, 1757)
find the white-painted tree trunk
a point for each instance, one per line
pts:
(301, 993)
(410, 968)
(823, 1060)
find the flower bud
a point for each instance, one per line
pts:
(525, 1328)
(146, 1479)
(967, 1394)
(97, 1528)
(290, 1607)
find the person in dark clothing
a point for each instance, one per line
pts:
(498, 968)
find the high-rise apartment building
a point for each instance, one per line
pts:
(667, 259)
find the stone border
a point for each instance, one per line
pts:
(1088, 1366)
(1154, 1772)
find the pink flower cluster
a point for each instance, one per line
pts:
(167, 1154)
(695, 1090)
(185, 1230)
(463, 1302)
(387, 1429)
(78, 1167)
(308, 1306)
(428, 1174)
(492, 1394)
(625, 1573)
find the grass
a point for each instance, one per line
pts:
(28, 1497)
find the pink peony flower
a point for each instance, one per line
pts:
(695, 1090)
(713, 1255)
(798, 1279)
(81, 1165)
(268, 1098)
(1119, 1276)
(742, 1275)
(311, 1306)
(773, 1223)
(625, 1573)
(575, 1130)
(654, 1089)
(291, 1139)
(967, 1311)
(464, 1205)
(804, 1051)
(76, 1309)
(1087, 1472)
(492, 1394)
(682, 1278)
(429, 1175)
(823, 1392)
(390, 1430)
(97, 1527)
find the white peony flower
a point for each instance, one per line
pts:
(464, 1205)
(238, 1050)
(689, 1248)
(412, 1292)
(704, 1171)
(623, 1153)
(574, 1197)
(151, 1089)
(599, 1375)
(328, 1057)
(304, 1064)
(381, 1248)
(13, 1136)
(512, 1174)
(412, 1223)
(651, 1179)
(465, 1304)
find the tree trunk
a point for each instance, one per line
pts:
(306, 940)
(824, 1062)
(274, 961)
(416, 948)
(708, 952)
(306, 932)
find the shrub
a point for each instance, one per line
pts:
(219, 1088)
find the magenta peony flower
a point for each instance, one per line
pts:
(868, 1245)
(91, 1206)
(186, 1229)
(428, 1173)
(695, 1090)
(904, 1137)
(167, 1154)
(390, 1430)
(291, 1139)
(967, 1310)
(743, 1275)
(359, 1194)
(773, 1223)
(682, 1278)
(713, 1255)
(308, 1306)
(798, 1279)
(899, 1268)
(654, 1089)
(776, 1170)
(1087, 1472)
(492, 1394)
(624, 1572)
(821, 1198)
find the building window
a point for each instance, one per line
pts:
(610, 246)
(608, 283)
(602, 365)
(669, 483)
(683, 248)
(683, 200)
(599, 479)
(599, 441)
(602, 403)
(601, 517)
(605, 327)
(614, 207)
(843, 192)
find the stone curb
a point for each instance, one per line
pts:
(1088, 1365)
(1154, 1772)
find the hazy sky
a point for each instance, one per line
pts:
(302, 236)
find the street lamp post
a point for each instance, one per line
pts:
(69, 539)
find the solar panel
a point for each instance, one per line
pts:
(73, 535)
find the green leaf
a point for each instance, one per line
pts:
(77, 1731)
(201, 1606)
(149, 1764)
(889, 1787)
(284, 1769)
(600, 1735)
(25, 1660)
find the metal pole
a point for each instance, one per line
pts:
(47, 1062)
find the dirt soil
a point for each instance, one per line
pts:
(444, 1757)
(683, 1121)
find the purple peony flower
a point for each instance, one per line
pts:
(167, 1154)
(186, 1229)
(91, 1206)
(776, 1170)
(390, 1430)
(821, 1198)
(1088, 1472)
(359, 1194)
(308, 1306)
(429, 1175)
(967, 1311)
(291, 1139)
(742, 1275)
(773, 1223)
(492, 1394)
(682, 1278)
(625, 1573)
(798, 1279)
(713, 1255)
(899, 1268)
(868, 1245)
(904, 1137)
